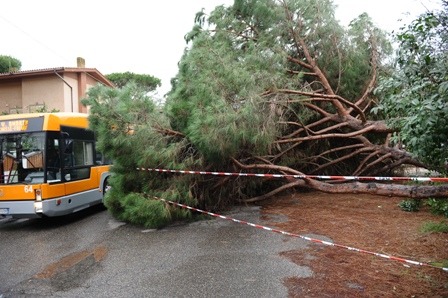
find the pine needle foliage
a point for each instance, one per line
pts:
(133, 132)
(239, 90)
(239, 54)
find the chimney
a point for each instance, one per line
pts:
(80, 62)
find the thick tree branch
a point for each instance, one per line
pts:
(327, 136)
(336, 150)
(373, 77)
(295, 72)
(275, 191)
(360, 168)
(328, 118)
(338, 160)
(301, 63)
(315, 96)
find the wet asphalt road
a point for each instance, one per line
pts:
(93, 255)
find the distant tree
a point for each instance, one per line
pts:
(145, 82)
(416, 94)
(8, 63)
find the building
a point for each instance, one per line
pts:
(60, 88)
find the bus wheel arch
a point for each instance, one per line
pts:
(106, 186)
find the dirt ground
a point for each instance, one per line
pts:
(368, 222)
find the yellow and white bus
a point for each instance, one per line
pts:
(49, 165)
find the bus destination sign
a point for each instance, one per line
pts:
(13, 125)
(21, 125)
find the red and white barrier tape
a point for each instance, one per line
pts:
(300, 236)
(321, 177)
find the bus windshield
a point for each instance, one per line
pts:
(22, 158)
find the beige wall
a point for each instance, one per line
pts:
(30, 93)
(43, 90)
(10, 96)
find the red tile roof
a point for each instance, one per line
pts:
(45, 71)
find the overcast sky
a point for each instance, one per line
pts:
(144, 37)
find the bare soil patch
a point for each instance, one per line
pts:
(368, 222)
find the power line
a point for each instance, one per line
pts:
(35, 39)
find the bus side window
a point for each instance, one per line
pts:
(68, 153)
(83, 153)
(78, 158)
(68, 160)
(99, 159)
(53, 159)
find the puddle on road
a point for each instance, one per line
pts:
(71, 261)
(70, 272)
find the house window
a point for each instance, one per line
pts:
(16, 110)
(36, 107)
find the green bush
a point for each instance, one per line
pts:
(438, 206)
(410, 205)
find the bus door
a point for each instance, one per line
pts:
(55, 187)
(77, 160)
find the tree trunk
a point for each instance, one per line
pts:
(383, 189)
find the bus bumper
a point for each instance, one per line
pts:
(19, 209)
(51, 207)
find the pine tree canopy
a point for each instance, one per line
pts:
(265, 86)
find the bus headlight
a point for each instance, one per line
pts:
(38, 193)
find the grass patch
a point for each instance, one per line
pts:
(443, 264)
(435, 227)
